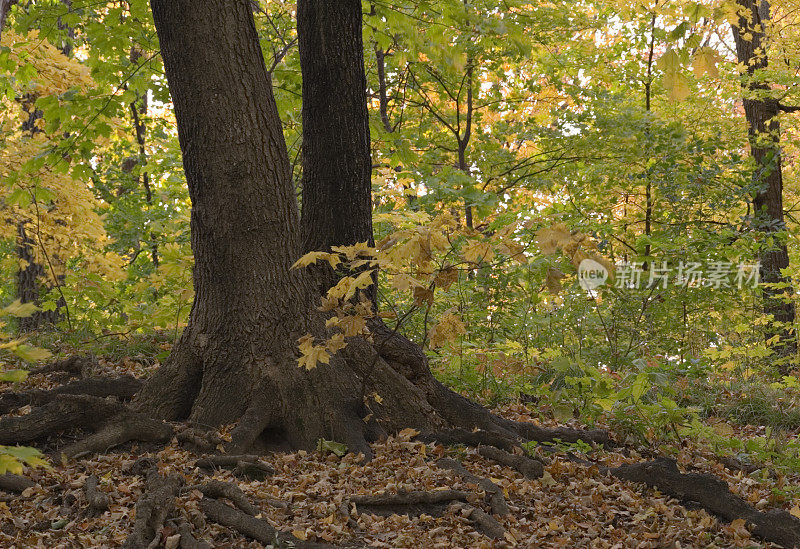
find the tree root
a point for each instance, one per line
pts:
(258, 416)
(75, 366)
(188, 541)
(152, 509)
(483, 522)
(532, 432)
(97, 500)
(451, 437)
(713, 495)
(63, 413)
(736, 465)
(251, 527)
(494, 493)
(117, 424)
(217, 489)
(10, 482)
(123, 388)
(434, 503)
(199, 441)
(118, 430)
(246, 466)
(529, 467)
(408, 503)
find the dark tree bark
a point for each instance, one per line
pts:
(764, 129)
(237, 356)
(337, 164)
(28, 278)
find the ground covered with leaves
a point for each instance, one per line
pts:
(411, 494)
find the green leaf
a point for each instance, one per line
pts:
(331, 447)
(19, 309)
(14, 376)
(640, 386)
(32, 354)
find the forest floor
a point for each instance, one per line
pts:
(312, 496)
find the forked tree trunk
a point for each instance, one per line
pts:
(237, 356)
(764, 129)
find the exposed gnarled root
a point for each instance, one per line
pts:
(152, 509)
(408, 503)
(713, 494)
(253, 528)
(123, 388)
(120, 429)
(494, 493)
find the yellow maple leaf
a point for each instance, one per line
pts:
(705, 62)
(478, 251)
(311, 354)
(310, 258)
(352, 325)
(550, 239)
(677, 85)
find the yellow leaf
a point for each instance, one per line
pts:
(352, 325)
(300, 534)
(423, 296)
(331, 322)
(447, 330)
(336, 343)
(550, 239)
(677, 85)
(32, 354)
(795, 511)
(404, 282)
(705, 62)
(478, 251)
(407, 434)
(351, 252)
(362, 281)
(310, 258)
(10, 464)
(446, 277)
(669, 62)
(311, 354)
(553, 280)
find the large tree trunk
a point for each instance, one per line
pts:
(237, 357)
(764, 129)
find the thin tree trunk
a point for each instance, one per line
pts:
(383, 98)
(764, 129)
(27, 277)
(5, 6)
(137, 112)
